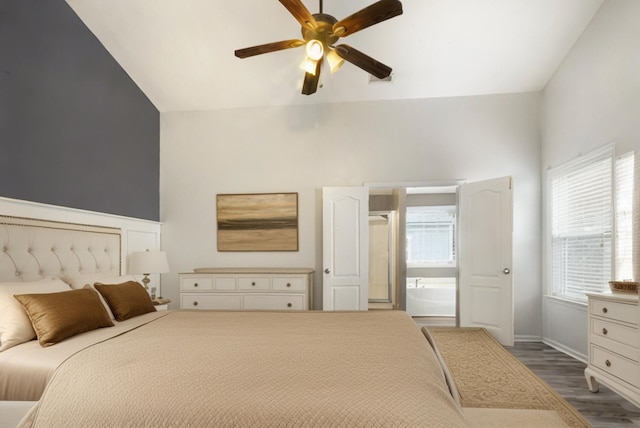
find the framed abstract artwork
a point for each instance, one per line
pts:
(257, 222)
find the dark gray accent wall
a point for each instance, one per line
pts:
(75, 130)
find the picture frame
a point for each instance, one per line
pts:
(257, 222)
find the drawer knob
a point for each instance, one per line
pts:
(195, 284)
(253, 284)
(605, 331)
(607, 363)
(195, 303)
(289, 305)
(605, 310)
(288, 284)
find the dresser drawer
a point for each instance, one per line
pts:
(618, 311)
(255, 283)
(274, 302)
(620, 367)
(196, 284)
(225, 282)
(286, 284)
(616, 332)
(211, 301)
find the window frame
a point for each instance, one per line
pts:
(605, 152)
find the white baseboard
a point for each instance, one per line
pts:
(527, 338)
(560, 347)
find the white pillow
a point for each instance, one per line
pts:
(15, 325)
(79, 281)
(88, 280)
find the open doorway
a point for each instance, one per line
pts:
(412, 251)
(431, 282)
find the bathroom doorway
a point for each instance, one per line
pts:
(431, 258)
(412, 254)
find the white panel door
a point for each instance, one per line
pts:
(345, 234)
(485, 243)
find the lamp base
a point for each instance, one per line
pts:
(146, 281)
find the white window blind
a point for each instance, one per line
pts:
(431, 236)
(582, 224)
(624, 211)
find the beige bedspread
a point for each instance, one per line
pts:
(255, 369)
(25, 369)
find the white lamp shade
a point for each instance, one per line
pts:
(147, 262)
(309, 66)
(335, 60)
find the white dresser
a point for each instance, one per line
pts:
(614, 344)
(247, 289)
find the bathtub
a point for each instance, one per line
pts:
(428, 297)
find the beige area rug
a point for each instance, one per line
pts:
(488, 376)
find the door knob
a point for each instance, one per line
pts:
(506, 271)
(327, 270)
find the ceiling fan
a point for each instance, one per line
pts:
(320, 32)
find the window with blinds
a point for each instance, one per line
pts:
(591, 201)
(623, 220)
(431, 235)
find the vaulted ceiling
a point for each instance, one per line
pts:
(181, 52)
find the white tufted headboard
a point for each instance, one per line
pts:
(32, 249)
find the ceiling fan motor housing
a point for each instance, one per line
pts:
(323, 32)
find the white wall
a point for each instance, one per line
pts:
(303, 148)
(592, 99)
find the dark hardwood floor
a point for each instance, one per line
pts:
(565, 374)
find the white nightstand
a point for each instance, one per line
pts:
(161, 304)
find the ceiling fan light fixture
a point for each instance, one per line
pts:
(309, 65)
(320, 33)
(314, 49)
(335, 61)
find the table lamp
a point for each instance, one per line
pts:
(148, 262)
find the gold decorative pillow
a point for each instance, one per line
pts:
(58, 316)
(15, 325)
(126, 300)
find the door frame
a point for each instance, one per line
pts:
(436, 186)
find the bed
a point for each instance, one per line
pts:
(135, 366)
(34, 250)
(205, 368)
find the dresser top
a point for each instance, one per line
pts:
(625, 297)
(267, 270)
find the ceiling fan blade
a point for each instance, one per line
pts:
(269, 47)
(370, 15)
(310, 84)
(363, 61)
(301, 13)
